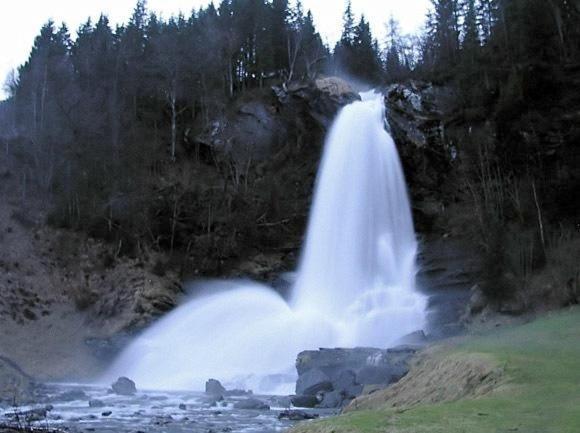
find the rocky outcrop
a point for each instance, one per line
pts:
(251, 404)
(437, 378)
(124, 386)
(16, 387)
(319, 100)
(417, 114)
(213, 387)
(330, 378)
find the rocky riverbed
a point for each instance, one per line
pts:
(81, 408)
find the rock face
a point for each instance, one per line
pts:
(124, 386)
(330, 378)
(213, 387)
(15, 385)
(416, 114)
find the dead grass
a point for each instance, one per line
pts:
(436, 377)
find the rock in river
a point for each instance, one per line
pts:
(214, 387)
(124, 386)
(251, 404)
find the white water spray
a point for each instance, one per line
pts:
(355, 285)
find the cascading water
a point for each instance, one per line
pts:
(355, 284)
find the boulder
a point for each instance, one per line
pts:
(320, 99)
(296, 415)
(347, 384)
(374, 375)
(336, 376)
(331, 400)
(251, 404)
(308, 401)
(214, 387)
(312, 382)
(124, 386)
(73, 395)
(280, 401)
(336, 87)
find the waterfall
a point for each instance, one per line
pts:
(355, 283)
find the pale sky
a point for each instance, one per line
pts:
(20, 20)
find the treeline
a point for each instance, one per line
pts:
(101, 123)
(101, 116)
(515, 65)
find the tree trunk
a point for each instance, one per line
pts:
(172, 101)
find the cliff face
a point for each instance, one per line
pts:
(493, 186)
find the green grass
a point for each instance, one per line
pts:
(542, 361)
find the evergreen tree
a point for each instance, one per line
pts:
(445, 33)
(394, 66)
(366, 63)
(471, 41)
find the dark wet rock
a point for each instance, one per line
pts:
(183, 406)
(15, 384)
(321, 99)
(96, 403)
(417, 114)
(124, 386)
(29, 416)
(372, 375)
(347, 385)
(312, 382)
(333, 399)
(162, 420)
(296, 415)
(107, 413)
(477, 301)
(214, 400)
(237, 393)
(280, 401)
(336, 376)
(251, 404)
(307, 401)
(248, 128)
(214, 387)
(72, 395)
(448, 267)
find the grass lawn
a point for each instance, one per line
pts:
(542, 362)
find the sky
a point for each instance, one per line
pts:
(20, 20)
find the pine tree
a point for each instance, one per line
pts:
(394, 51)
(366, 63)
(471, 40)
(446, 31)
(348, 26)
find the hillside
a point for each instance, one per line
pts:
(522, 378)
